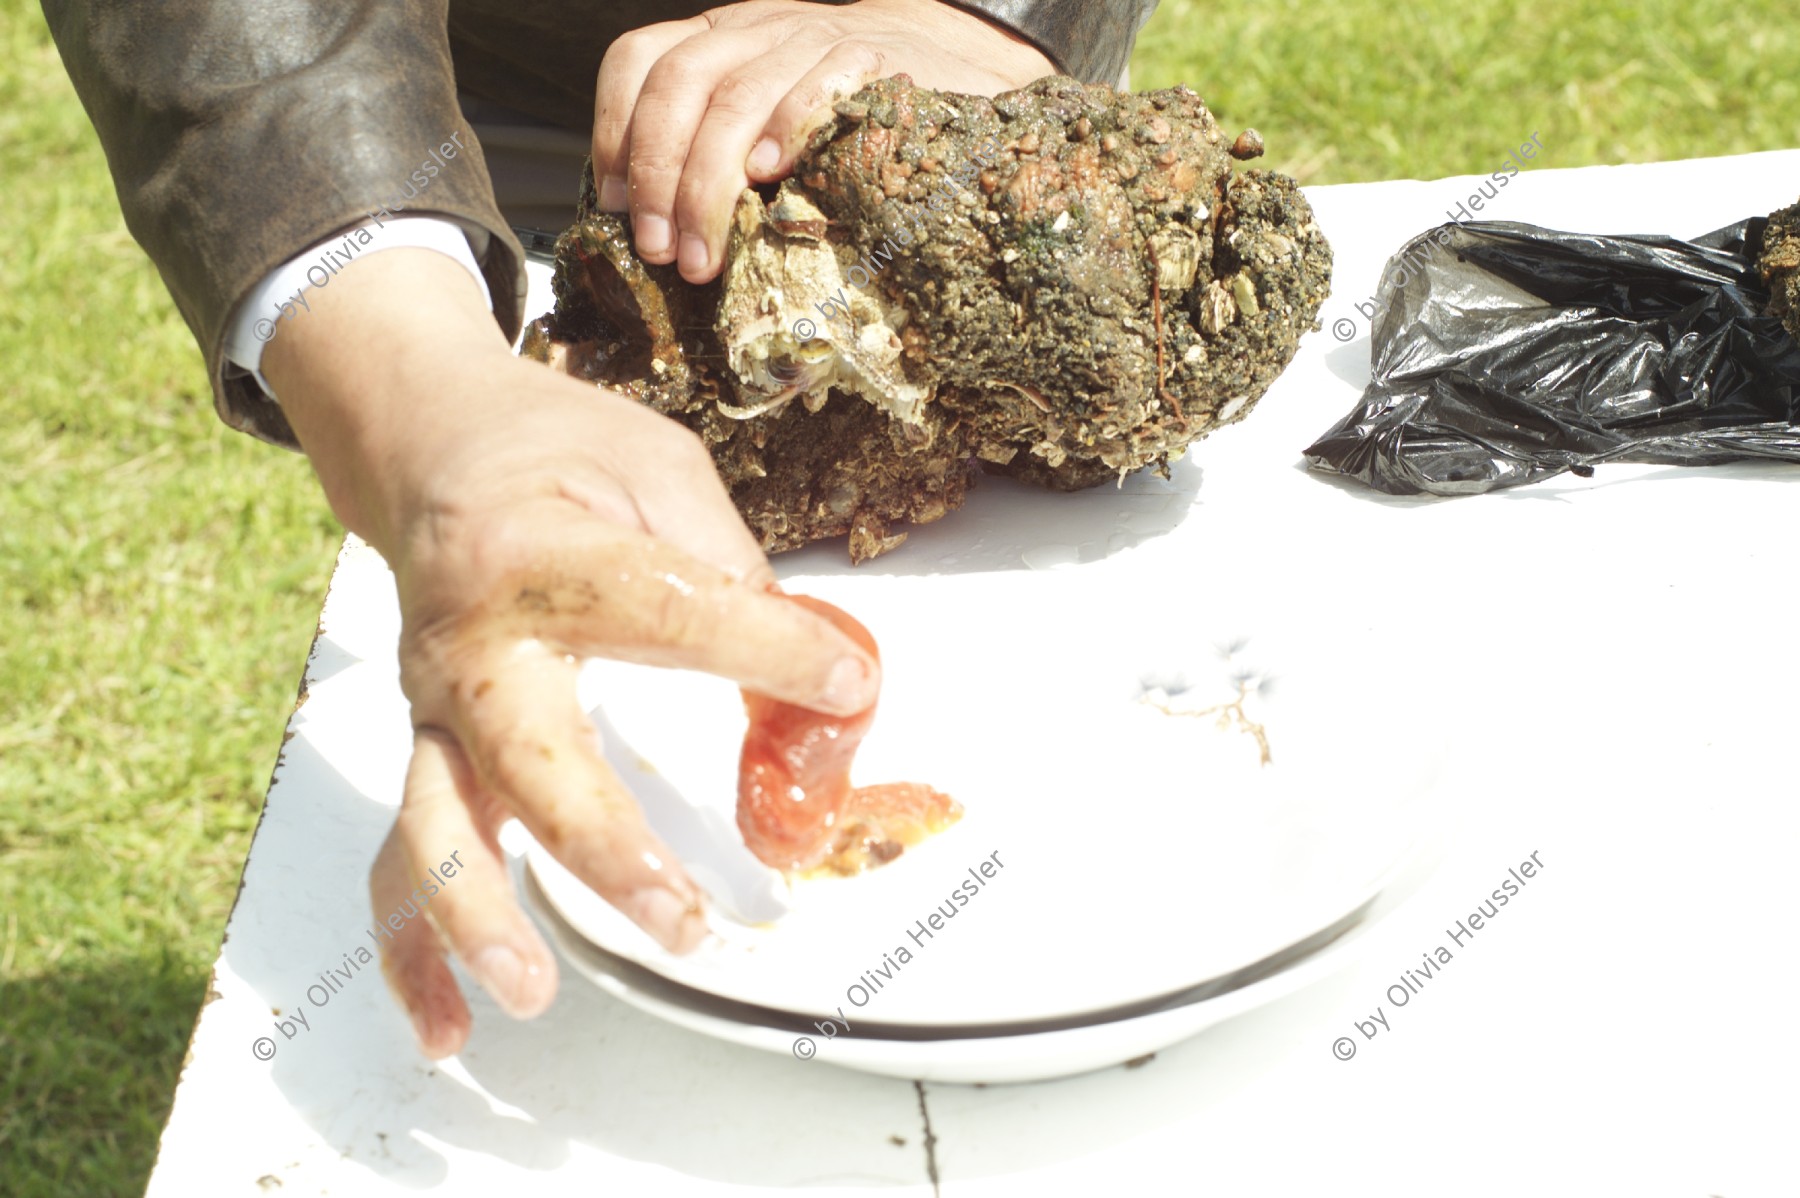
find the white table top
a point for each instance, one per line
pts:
(1624, 1026)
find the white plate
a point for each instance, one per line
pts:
(1133, 854)
(970, 1059)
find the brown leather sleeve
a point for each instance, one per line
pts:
(1089, 39)
(236, 138)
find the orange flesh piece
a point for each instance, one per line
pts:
(796, 808)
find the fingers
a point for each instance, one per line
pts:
(675, 97)
(442, 828)
(688, 112)
(716, 168)
(807, 105)
(412, 957)
(532, 746)
(440, 880)
(620, 593)
(628, 60)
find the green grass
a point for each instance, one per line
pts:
(1346, 91)
(160, 576)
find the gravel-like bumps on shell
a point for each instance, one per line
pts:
(1103, 293)
(1779, 266)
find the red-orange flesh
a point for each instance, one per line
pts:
(796, 808)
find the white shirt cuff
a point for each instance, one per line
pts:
(281, 297)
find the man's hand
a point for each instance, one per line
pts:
(689, 112)
(530, 520)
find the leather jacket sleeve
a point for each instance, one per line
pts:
(1089, 39)
(236, 138)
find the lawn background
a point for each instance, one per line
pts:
(160, 577)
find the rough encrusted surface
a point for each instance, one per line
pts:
(1076, 279)
(1779, 265)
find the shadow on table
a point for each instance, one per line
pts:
(594, 1078)
(1563, 487)
(1008, 525)
(1349, 361)
(763, 1120)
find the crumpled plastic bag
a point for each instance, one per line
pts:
(1503, 353)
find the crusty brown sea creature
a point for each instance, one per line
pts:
(1779, 266)
(1062, 283)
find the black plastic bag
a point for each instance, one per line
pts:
(1503, 353)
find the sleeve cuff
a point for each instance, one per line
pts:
(280, 297)
(1089, 41)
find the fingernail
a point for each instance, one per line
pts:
(693, 253)
(612, 194)
(677, 923)
(652, 233)
(763, 158)
(502, 973)
(850, 686)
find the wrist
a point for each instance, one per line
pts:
(375, 375)
(1009, 53)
